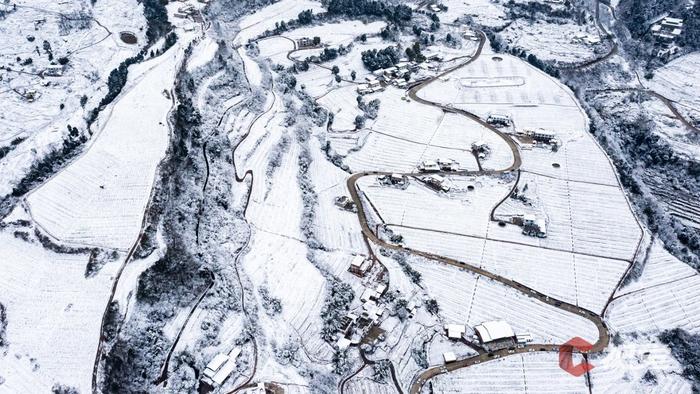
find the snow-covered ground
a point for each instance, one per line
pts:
(553, 41)
(531, 372)
(257, 23)
(100, 199)
(53, 316)
(36, 32)
(679, 80)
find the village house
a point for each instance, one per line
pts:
(495, 334)
(428, 166)
(393, 179)
(220, 368)
(437, 183)
(499, 120)
(53, 71)
(667, 29)
(305, 42)
(455, 331)
(534, 227)
(448, 164)
(360, 265)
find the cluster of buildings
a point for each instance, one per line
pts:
(396, 75)
(345, 203)
(356, 324)
(541, 136)
(436, 182)
(491, 335)
(499, 120)
(306, 42)
(219, 369)
(441, 164)
(585, 38)
(393, 180)
(665, 31)
(372, 85)
(534, 226)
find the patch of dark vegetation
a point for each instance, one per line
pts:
(49, 244)
(112, 321)
(396, 13)
(63, 389)
(157, 17)
(272, 305)
(3, 329)
(337, 303)
(174, 280)
(685, 347)
(412, 274)
(375, 59)
(44, 168)
(9, 148)
(636, 149)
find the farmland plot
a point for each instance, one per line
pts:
(583, 218)
(275, 49)
(622, 369)
(531, 372)
(661, 307)
(418, 206)
(277, 262)
(679, 80)
(553, 41)
(671, 129)
(661, 267)
(340, 33)
(53, 315)
(469, 299)
(35, 127)
(342, 102)
(540, 102)
(484, 12)
(255, 24)
(100, 198)
(456, 131)
(336, 228)
(577, 279)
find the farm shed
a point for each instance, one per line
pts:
(493, 331)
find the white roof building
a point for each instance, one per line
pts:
(224, 372)
(494, 330)
(215, 364)
(449, 357)
(455, 331)
(343, 343)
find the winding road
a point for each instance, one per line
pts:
(424, 376)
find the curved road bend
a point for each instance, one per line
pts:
(603, 335)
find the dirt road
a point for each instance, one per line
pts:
(424, 376)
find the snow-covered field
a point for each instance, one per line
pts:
(553, 41)
(92, 52)
(679, 80)
(255, 24)
(666, 296)
(53, 316)
(340, 33)
(459, 211)
(531, 372)
(468, 299)
(99, 199)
